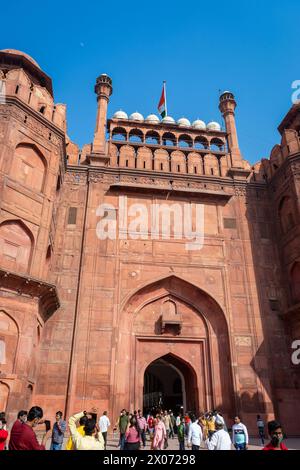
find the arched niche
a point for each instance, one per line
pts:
(9, 335)
(16, 246)
(29, 167)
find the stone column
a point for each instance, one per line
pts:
(227, 107)
(103, 89)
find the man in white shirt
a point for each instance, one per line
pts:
(220, 440)
(104, 424)
(240, 436)
(195, 435)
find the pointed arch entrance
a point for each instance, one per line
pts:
(172, 318)
(171, 384)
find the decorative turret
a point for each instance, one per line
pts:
(103, 90)
(227, 107)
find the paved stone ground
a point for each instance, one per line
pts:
(292, 443)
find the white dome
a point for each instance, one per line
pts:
(183, 122)
(198, 124)
(136, 116)
(152, 118)
(213, 126)
(168, 120)
(120, 115)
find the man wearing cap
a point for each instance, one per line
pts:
(220, 440)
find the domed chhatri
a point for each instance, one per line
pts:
(199, 125)
(168, 120)
(136, 117)
(213, 126)
(183, 122)
(226, 95)
(120, 115)
(16, 52)
(152, 118)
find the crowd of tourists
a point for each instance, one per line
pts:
(207, 431)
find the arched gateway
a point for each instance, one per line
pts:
(172, 328)
(170, 383)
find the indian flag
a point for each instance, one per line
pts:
(162, 105)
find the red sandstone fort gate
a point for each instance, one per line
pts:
(89, 322)
(174, 320)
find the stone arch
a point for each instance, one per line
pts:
(16, 245)
(187, 375)
(169, 139)
(211, 165)
(18, 78)
(144, 158)
(114, 154)
(161, 160)
(177, 287)
(119, 133)
(170, 305)
(185, 140)
(136, 135)
(29, 166)
(195, 163)
(178, 162)
(152, 137)
(127, 156)
(201, 142)
(126, 302)
(204, 330)
(9, 337)
(216, 144)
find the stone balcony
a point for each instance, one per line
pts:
(167, 148)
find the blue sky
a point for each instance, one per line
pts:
(250, 48)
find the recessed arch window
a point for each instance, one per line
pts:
(119, 133)
(217, 144)
(9, 335)
(169, 139)
(136, 135)
(16, 245)
(152, 137)
(200, 142)
(185, 140)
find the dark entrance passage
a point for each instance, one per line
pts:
(170, 384)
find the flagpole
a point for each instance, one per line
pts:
(165, 93)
